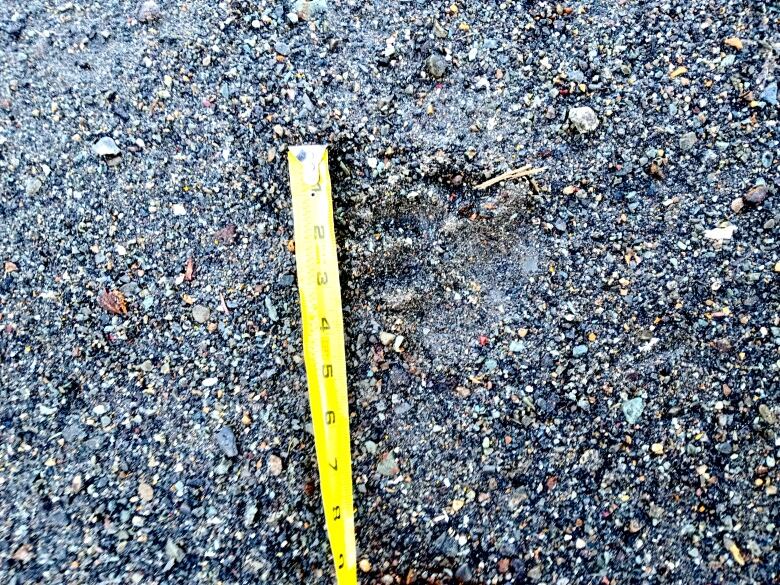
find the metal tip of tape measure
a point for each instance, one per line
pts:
(310, 156)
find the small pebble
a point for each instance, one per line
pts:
(769, 95)
(272, 314)
(687, 141)
(757, 194)
(463, 574)
(145, 492)
(387, 466)
(105, 147)
(250, 512)
(274, 465)
(632, 409)
(584, 119)
(200, 313)
(149, 11)
(32, 186)
(226, 441)
(436, 66)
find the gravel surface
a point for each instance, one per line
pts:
(568, 378)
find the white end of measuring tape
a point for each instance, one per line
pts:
(310, 156)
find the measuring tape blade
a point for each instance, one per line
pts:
(323, 347)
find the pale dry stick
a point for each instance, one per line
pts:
(524, 171)
(503, 176)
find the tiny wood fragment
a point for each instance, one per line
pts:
(227, 235)
(524, 171)
(113, 302)
(189, 269)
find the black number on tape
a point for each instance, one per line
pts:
(337, 512)
(327, 370)
(330, 417)
(324, 325)
(341, 561)
(322, 278)
(319, 232)
(335, 465)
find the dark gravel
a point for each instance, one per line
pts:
(568, 379)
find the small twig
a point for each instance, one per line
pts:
(524, 171)
(503, 176)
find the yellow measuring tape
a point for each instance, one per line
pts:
(323, 347)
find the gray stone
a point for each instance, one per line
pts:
(32, 186)
(282, 48)
(632, 409)
(173, 551)
(490, 365)
(311, 7)
(105, 147)
(516, 346)
(757, 194)
(387, 467)
(249, 514)
(579, 350)
(584, 119)
(535, 573)
(46, 410)
(149, 11)
(463, 574)
(200, 313)
(73, 432)
(687, 141)
(403, 408)
(769, 95)
(436, 66)
(226, 441)
(272, 314)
